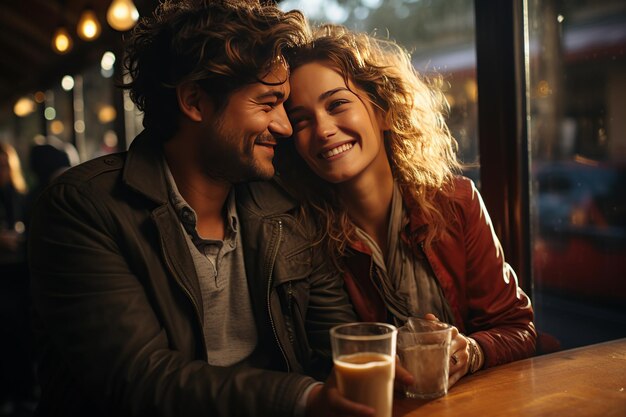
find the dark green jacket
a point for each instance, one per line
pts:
(117, 304)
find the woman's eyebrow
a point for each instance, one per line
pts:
(322, 96)
(331, 92)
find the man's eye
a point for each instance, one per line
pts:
(268, 106)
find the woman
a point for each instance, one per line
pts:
(412, 238)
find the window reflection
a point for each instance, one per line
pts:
(578, 140)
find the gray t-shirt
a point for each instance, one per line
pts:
(229, 329)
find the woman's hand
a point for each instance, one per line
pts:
(459, 354)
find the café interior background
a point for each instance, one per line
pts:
(575, 86)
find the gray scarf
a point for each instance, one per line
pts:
(408, 286)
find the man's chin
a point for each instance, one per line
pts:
(259, 174)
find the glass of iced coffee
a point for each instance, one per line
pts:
(364, 357)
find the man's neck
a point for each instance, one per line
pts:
(207, 196)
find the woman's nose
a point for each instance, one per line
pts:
(324, 128)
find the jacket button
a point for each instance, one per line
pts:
(110, 161)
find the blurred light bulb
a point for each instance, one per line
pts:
(62, 41)
(122, 15)
(88, 27)
(67, 83)
(107, 61)
(23, 107)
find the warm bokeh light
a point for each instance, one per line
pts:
(62, 41)
(107, 114)
(543, 88)
(40, 97)
(88, 27)
(110, 139)
(122, 15)
(57, 127)
(23, 107)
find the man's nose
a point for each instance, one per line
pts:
(280, 126)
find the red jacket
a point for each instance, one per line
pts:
(469, 264)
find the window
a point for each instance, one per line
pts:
(577, 134)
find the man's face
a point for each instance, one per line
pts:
(240, 140)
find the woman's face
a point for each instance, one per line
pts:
(336, 129)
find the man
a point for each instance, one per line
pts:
(158, 289)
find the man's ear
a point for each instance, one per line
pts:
(189, 96)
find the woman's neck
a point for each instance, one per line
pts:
(368, 202)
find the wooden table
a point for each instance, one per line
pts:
(585, 382)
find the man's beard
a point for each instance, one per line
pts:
(230, 164)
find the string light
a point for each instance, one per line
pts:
(122, 15)
(88, 27)
(62, 41)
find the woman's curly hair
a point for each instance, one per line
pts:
(420, 148)
(221, 44)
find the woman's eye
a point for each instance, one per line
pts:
(299, 124)
(336, 104)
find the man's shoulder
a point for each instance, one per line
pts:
(88, 170)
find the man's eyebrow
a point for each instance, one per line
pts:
(271, 94)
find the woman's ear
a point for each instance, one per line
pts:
(381, 119)
(190, 97)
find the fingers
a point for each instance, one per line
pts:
(459, 358)
(326, 401)
(340, 405)
(431, 316)
(403, 376)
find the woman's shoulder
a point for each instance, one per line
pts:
(460, 190)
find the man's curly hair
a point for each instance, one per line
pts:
(222, 45)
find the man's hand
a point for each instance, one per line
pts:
(403, 377)
(326, 401)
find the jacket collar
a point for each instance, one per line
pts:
(418, 225)
(265, 198)
(144, 170)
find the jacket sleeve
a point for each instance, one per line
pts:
(329, 305)
(97, 321)
(500, 315)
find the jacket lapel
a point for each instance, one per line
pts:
(145, 173)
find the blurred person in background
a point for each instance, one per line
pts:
(166, 280)
(17, 382)
(47, 161)
(374, 164)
